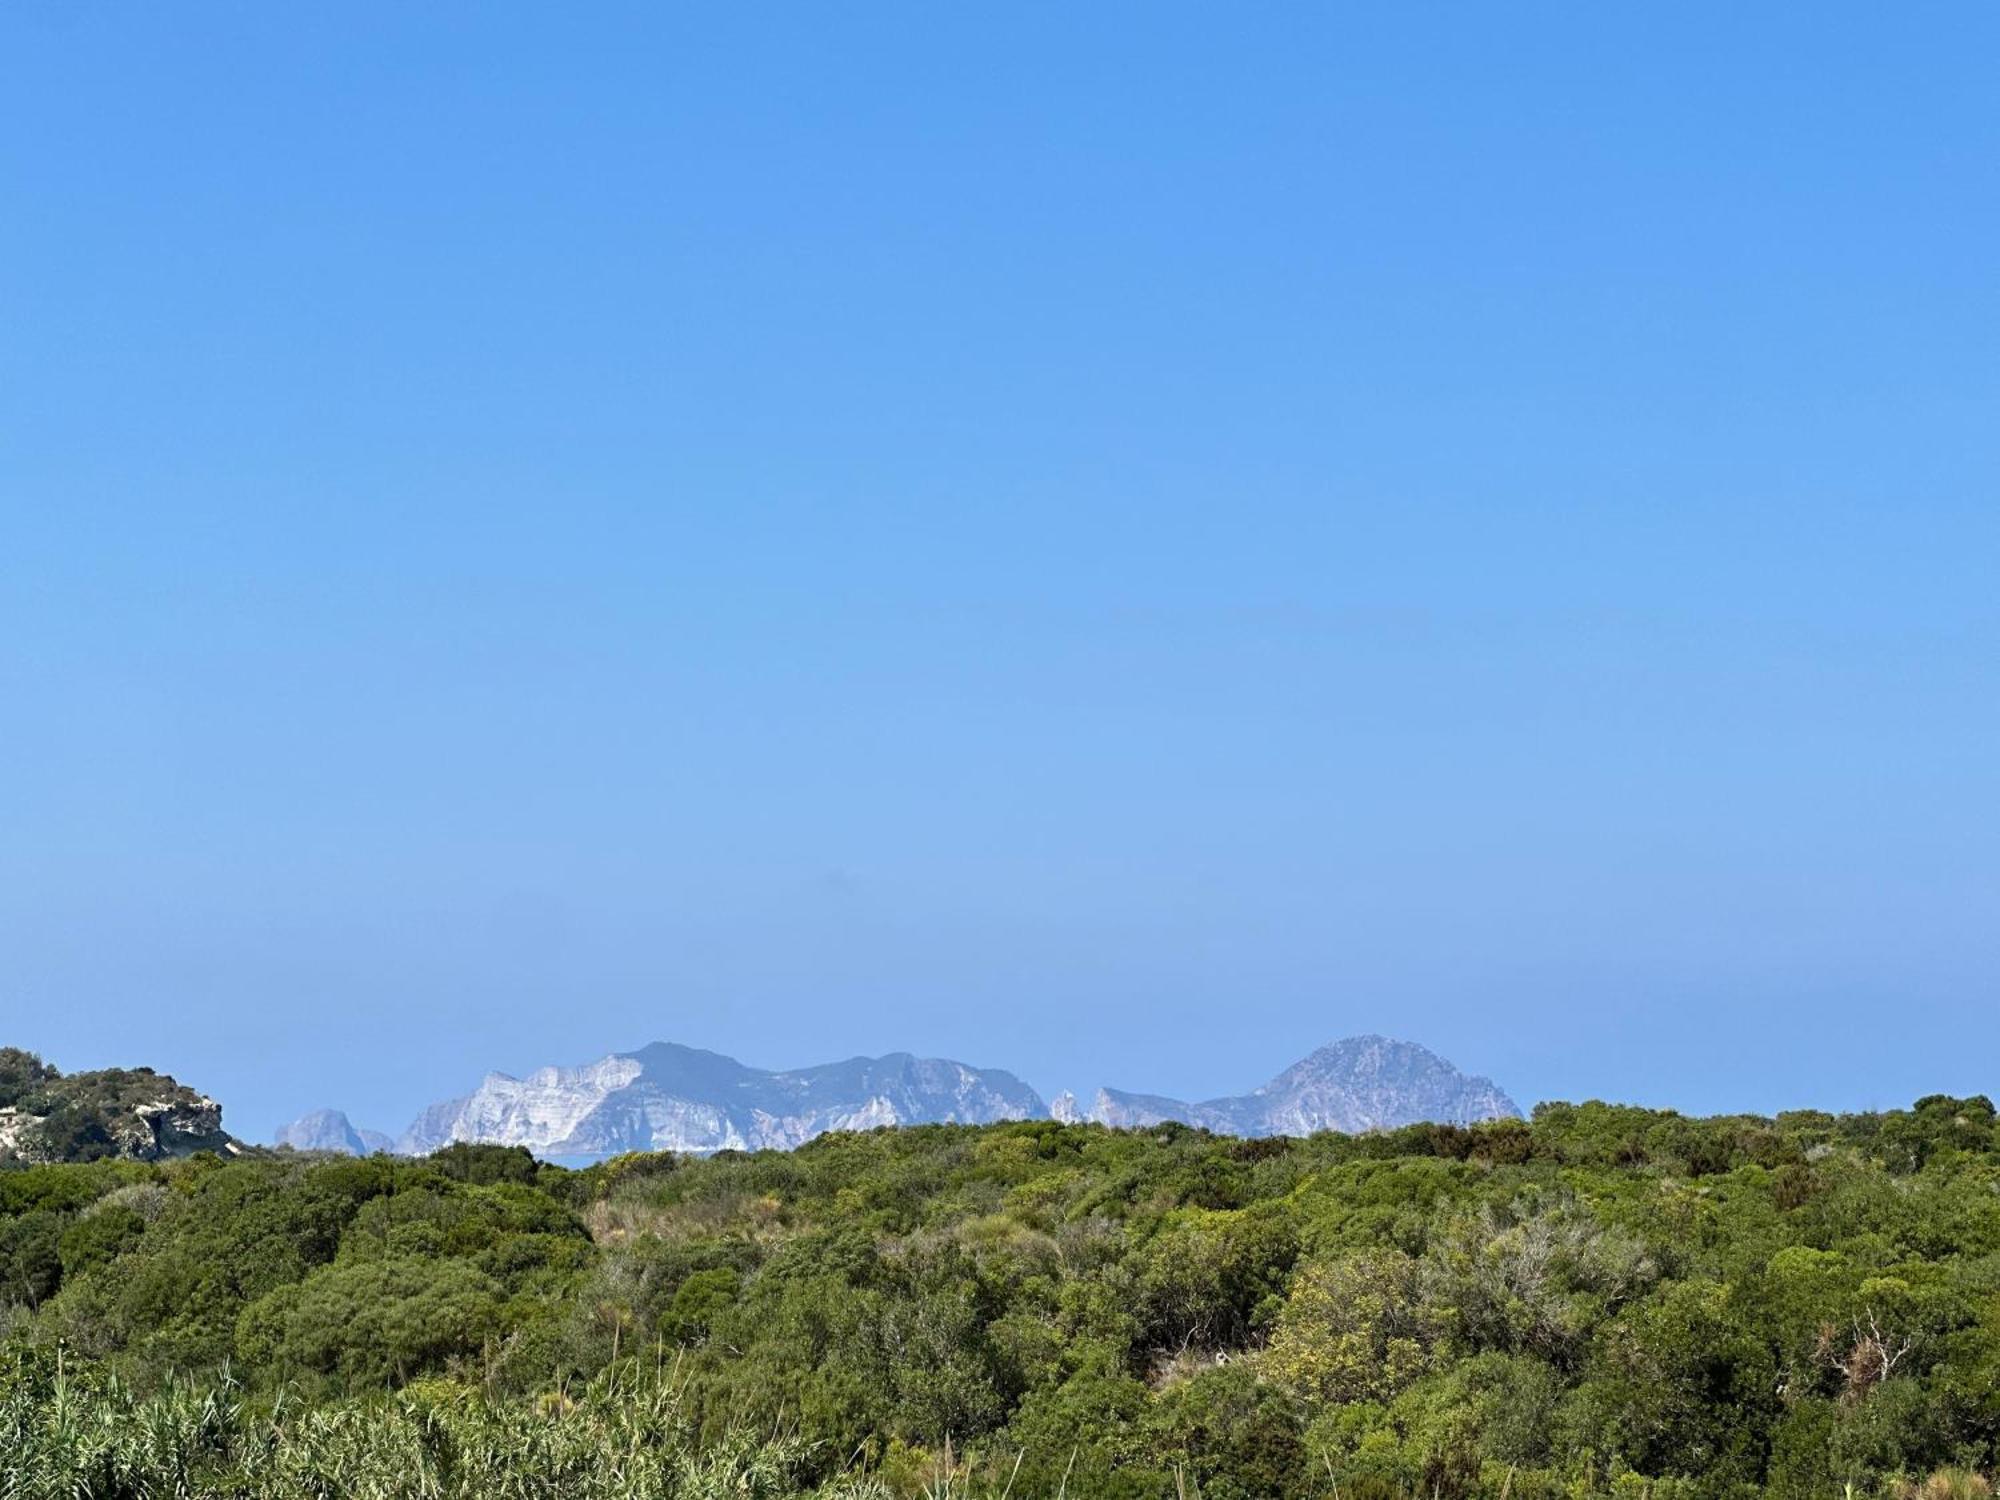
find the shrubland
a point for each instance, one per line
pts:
(1600, 1301)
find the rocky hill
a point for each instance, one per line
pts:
(1360, 1084)
(131, 1113)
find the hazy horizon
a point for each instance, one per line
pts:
(1120, 544)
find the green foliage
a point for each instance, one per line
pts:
(372, 1322)
(464, 1161)
(98, 1238)
(23, 1078)
(1355, 1328)
(66, 1433)
(31, 1257)
(698, 1302)
(1599, 1302)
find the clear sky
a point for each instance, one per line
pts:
(1122, 542)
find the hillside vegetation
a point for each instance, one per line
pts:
(1599, 1301)
(135, 1113)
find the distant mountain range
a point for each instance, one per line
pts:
(672, 1098)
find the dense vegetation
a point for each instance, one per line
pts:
(1602, 1301)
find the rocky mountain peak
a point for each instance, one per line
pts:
(1359, 1084)
(331, 1130)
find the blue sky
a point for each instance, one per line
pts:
(1120, 541)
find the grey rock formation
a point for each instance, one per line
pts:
(330, 1130)
(672, 1098)
(1363, 1083)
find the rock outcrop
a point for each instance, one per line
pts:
(132, 1113)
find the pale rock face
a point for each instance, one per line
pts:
(1364, 1083)
(14, 1128)
(547, 1106)
(174, 1127)
(1125, 1111)
(1065, 1109)
(671, 1098)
